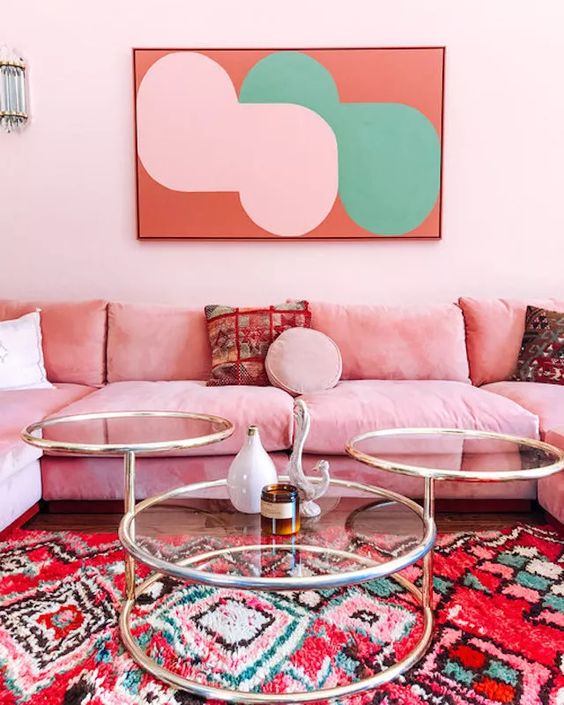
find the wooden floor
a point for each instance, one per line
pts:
(446, 522)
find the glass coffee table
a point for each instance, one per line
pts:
(439, 454)
(194, 535)
(127, 434)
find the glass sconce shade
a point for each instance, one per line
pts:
(13, 99)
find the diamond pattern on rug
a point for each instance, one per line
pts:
(499, 636)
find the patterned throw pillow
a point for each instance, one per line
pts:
(240, 338)
(541, 358)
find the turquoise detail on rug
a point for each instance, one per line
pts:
(532, 581)
(554, 601)
(441, 585)
(502, 672)
(512, 560)
(383, 587)
(131, 681)
(462, 675)
(472, 581)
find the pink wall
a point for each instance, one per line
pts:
(67, 202)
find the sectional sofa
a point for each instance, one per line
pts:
(447, 365)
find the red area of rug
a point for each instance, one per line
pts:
(499, 635)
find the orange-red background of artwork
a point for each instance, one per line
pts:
(414, 76)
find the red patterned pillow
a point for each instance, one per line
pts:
(541, 358)
(240, 338)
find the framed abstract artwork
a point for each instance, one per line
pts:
(274, 144)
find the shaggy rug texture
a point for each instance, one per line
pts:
(499, 635)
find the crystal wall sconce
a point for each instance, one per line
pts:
(13, 99)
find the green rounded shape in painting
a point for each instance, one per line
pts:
(389, 153)
(291, 77)
(389, 165)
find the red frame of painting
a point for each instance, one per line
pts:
(306, 238)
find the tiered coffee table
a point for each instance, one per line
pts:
(191, 532)
(393, 531)
(194, 534)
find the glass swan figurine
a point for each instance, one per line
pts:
(310, 488)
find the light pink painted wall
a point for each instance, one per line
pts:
(67, 195)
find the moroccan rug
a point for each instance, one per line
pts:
(499, 636)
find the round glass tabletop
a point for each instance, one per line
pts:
(195, 533)
(111, 433)
(456, 454)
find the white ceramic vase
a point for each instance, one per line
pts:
(249, 472)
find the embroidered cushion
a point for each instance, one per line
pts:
(302, 360)
(21, 354)
(541, 357)
(240, 338)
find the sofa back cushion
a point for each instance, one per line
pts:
(74, 337)
(148, 342)
(494, 331)
(382, 342)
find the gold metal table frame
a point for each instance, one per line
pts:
(431, 475)
(187, 569)
(33, 435)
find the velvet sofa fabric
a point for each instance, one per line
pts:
(385, 342)
(494, 331)
(90, 478)
(24, 406)
(544, 400)
(20, 491)
(15, 455)
(74, 337)
(157, 343)
(551, 489)
(345, 468)
(352, 407)
(402, 367)
(269, 408)
(20, 480)
(303, 360)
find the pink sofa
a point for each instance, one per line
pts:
(435, 366)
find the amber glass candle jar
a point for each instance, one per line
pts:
(280, 510)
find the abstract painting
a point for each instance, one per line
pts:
(278, 143)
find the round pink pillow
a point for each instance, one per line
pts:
(303, 360)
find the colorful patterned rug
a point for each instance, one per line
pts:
(499, 635)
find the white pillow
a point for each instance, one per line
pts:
(21, 354)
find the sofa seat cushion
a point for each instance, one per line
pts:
(551, 489)
(269, 408)
(20, 407)
(23, 489)
(544, 400)
(353, 407)
(15, 455)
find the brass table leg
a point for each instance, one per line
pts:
(129, 507)
(429, 516)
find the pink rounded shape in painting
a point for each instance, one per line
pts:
(303, 360)
(291, 167)
(194, 135)
(185, 105)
